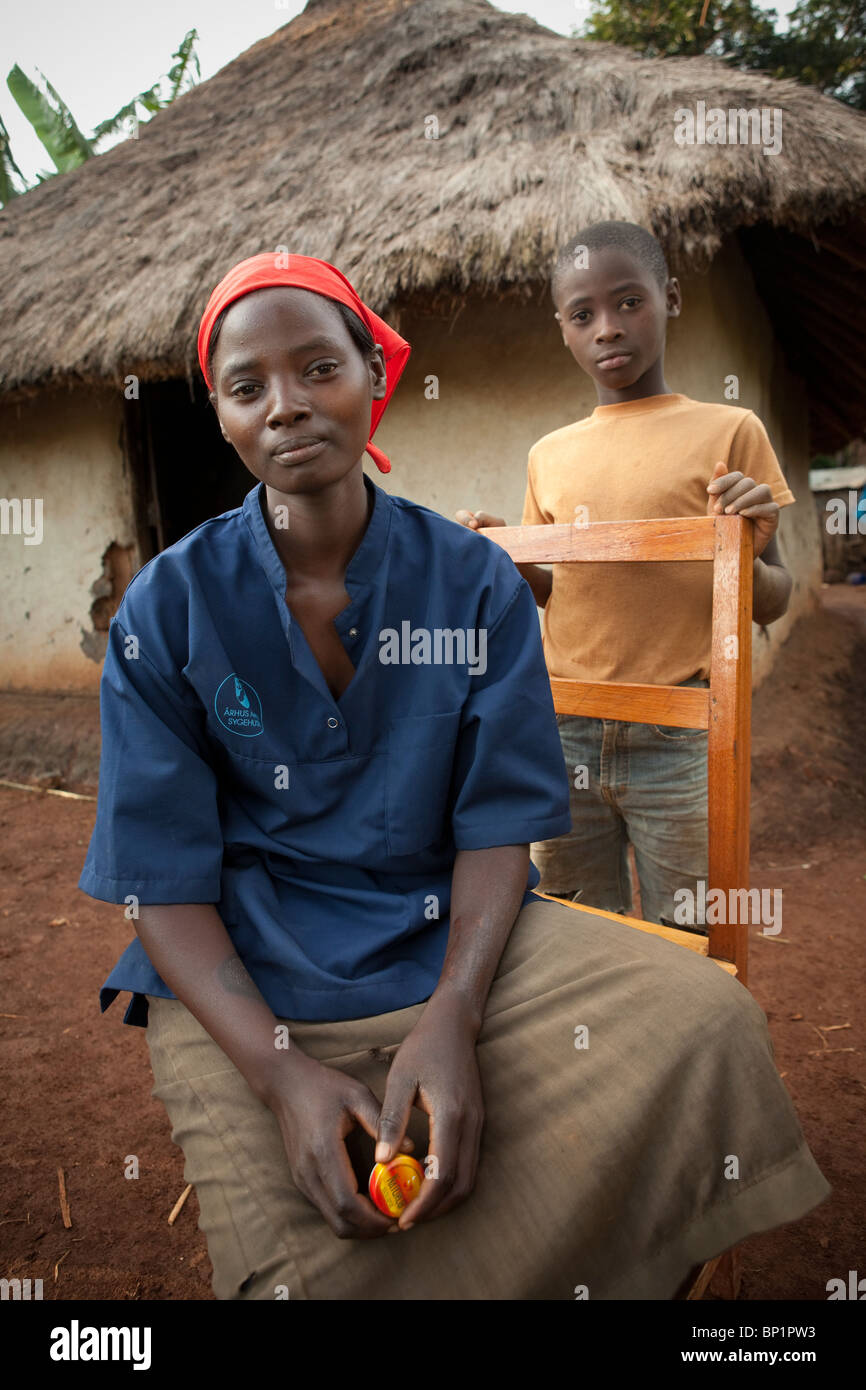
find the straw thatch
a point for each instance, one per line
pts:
(314, 138)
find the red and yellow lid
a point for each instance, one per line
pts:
(395, 1184)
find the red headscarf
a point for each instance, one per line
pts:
(306, 273)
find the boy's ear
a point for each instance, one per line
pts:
(673, 297)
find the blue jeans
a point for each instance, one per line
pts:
(639, 783)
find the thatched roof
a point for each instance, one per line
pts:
(314, 138)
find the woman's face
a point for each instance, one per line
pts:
(292, 391)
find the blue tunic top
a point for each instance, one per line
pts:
(324, 830)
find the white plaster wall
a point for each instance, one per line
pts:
(505, 379)
(63, 446)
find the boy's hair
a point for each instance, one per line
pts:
(623, 236)
(357, 331)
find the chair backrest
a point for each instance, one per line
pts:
(724, 709)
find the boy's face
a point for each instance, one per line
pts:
(291, 390)
(613, 318)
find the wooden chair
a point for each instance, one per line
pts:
(724, 710)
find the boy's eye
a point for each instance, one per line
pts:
(632, 299)
(580, 315)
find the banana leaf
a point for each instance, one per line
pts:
(128, 114)
(53, 123)
(8, 167)
(181, 70)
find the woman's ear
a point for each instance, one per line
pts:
(378, 374)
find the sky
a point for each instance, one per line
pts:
(98, 54)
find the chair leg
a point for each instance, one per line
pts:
(720, 1277)
(725, 1282)
(694, 1285)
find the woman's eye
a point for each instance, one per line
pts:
(244, 387)
(323, 368)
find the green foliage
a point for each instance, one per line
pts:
(824, 45)
(181, 75)
(55, 126)
(180, 79)
(127, 117)
(52, 120)
(669, 28)
(8, 168)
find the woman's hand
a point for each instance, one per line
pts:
(316, 1107)
(436, 1069)
(732, 493)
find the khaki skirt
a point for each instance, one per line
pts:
(636, 1125)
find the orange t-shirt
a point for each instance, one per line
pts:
(646, 621)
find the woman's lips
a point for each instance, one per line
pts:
(610, 364)
(300, 453)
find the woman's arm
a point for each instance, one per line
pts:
(191, 950)
(487, 888)
(315, 1106)
(436, 1067)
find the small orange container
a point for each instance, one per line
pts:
(395, 1184)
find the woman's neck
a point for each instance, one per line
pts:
(318, 532)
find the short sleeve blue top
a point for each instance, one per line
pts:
(324, 830)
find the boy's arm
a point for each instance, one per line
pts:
(539, 580)
(771, 586)
(733, 493)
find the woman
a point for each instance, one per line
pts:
(328, 739)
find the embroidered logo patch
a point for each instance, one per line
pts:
(238, 707)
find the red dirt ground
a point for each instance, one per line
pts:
(78, 1084)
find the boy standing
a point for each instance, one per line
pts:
(645, 451)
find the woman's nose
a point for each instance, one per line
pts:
(286, 404)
